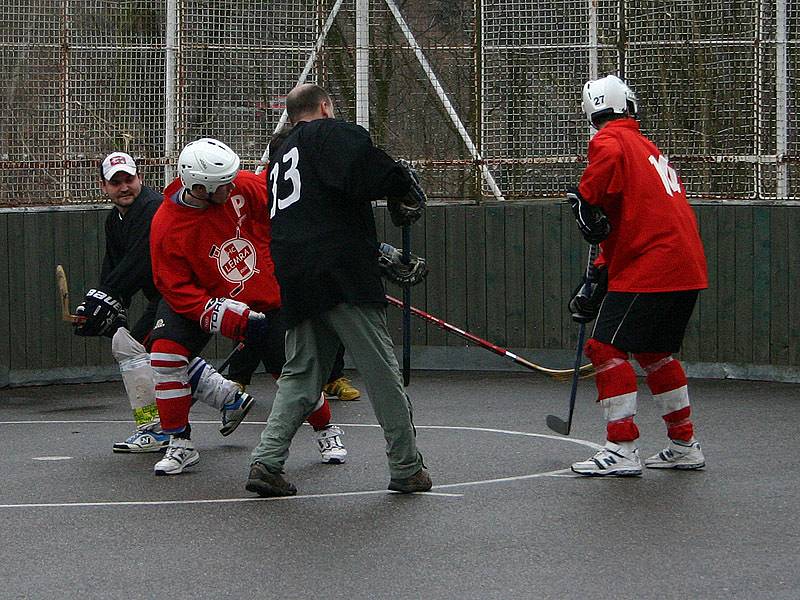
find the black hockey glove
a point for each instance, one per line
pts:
(592, 221)
(587, 297)
(407, 210)
(102, 314)
(393, 268)
(258, 326)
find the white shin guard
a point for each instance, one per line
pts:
(208, 386)
(137, 375)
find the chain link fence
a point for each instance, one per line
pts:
(483, 94)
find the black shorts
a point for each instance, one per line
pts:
(171, 326)
(644, 322)
(144, 324)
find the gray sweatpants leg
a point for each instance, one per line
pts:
(363, 331)
(311, 349)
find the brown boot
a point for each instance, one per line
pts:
(418, 482)
(267, 484)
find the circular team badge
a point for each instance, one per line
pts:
(236, 261)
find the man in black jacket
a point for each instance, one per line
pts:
(127, 270)
(321, 183)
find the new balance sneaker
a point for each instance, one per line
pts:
(234, 412)
(613, 459)
(678, 455)
(268, 484)
(180, 455)
(146, 438)
(341, 389)
(330, 445)
(418, 482)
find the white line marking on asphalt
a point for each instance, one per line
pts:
(559, 473)
(214, 501)
(51, 458)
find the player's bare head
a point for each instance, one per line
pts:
(307, 102)
(120, 179)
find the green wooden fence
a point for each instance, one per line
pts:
(502, 272)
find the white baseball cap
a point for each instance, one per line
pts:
(116, 162)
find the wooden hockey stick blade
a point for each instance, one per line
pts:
(63, 296)
(558, 425)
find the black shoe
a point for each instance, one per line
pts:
(267, 484)
(418, 482)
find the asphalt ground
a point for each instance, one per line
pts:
(506, 518)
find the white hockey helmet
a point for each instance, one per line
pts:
(608, 95)
(207, 162)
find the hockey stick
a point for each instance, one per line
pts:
(406, 258)
(560, 374)
(63, 296)
(230, 356)
(553, 422)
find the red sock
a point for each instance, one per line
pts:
(320, 418)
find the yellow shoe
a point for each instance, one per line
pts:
(341, 389)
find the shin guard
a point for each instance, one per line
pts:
(137, 376)
(616, 390)
(173, 394)
(208, 386)
(667, 382)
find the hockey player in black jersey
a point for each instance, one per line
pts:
(321, 184)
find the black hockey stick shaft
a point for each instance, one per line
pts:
(406, 258)
(230, 356)
(553, 422)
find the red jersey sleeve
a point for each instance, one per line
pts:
(603, 180)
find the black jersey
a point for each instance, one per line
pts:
(126, 265)
(321, 184)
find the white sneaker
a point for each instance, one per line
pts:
(330, 444)
(678, 455)
(146, 438)
(613, 460)
(180, 455)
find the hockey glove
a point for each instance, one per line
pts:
(393, 268)
(228, 317)
(406, 210)
(592, 221)
(258, 327)
(588, 296)
(101, 312)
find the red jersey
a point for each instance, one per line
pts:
(221, 251)
(654, 244)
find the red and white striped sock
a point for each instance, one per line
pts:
(170, 362)
(667, 382)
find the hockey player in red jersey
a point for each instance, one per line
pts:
(631, 201)
(211, 262)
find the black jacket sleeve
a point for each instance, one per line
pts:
(126, 265)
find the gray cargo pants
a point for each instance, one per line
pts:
(311, 349)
